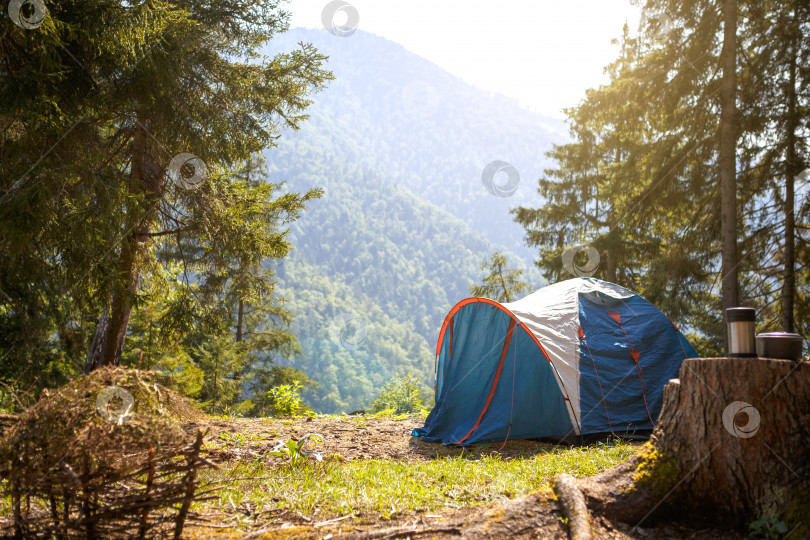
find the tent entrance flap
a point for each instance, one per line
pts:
(494, 382)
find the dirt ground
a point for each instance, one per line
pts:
(231, 440)
(536, 515)
(358, 437)
(350, 437)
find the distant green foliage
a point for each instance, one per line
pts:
(400, 395)
(435, 149)
(705, 347)
(358, 252)
(348, 379)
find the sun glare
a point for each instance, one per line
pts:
(543, 53)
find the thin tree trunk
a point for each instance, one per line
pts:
(216, 385)
(610, 274)
(121, 305)
(791, 168)
(240, 321)
(108, 340)
(97, 351)
(610, 271)
(613, 245)
(506, 295)
(240, 317)
(728, 155)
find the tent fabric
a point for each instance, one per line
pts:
(578, 357)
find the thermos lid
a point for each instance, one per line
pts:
(737, 314)
(787, 336)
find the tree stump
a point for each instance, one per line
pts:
(731, 446)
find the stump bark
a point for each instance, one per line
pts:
(731, 446)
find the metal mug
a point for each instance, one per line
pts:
(741, 321)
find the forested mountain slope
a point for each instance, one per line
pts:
(376, 254)
(424, 130)
(405, 221)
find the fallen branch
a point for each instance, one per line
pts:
(332, 521)
(398, 532)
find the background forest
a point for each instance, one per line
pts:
(343, 212)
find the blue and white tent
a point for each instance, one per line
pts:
(579, 357)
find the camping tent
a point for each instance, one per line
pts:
(579, 357)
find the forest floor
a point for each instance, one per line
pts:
(377, 481)
(352, 438)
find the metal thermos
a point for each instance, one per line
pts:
(741, 322)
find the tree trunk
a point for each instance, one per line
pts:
(728, 156)
(98, 347)
(240, 318)
(145, 178)
(732, 445)
(115, 322)
(791, 169)
(240, 321)
(612, 256)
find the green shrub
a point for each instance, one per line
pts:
(768, 528)
(286, 400)
(293, 451)
(400, 395)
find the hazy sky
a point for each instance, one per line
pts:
(545, 53)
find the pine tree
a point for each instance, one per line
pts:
(641, 180)
(636, 182)
(501, 283)
(113, 93)
(774, 99)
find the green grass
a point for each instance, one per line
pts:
(240, 439)
(385, 487)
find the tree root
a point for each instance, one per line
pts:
(573, 504)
